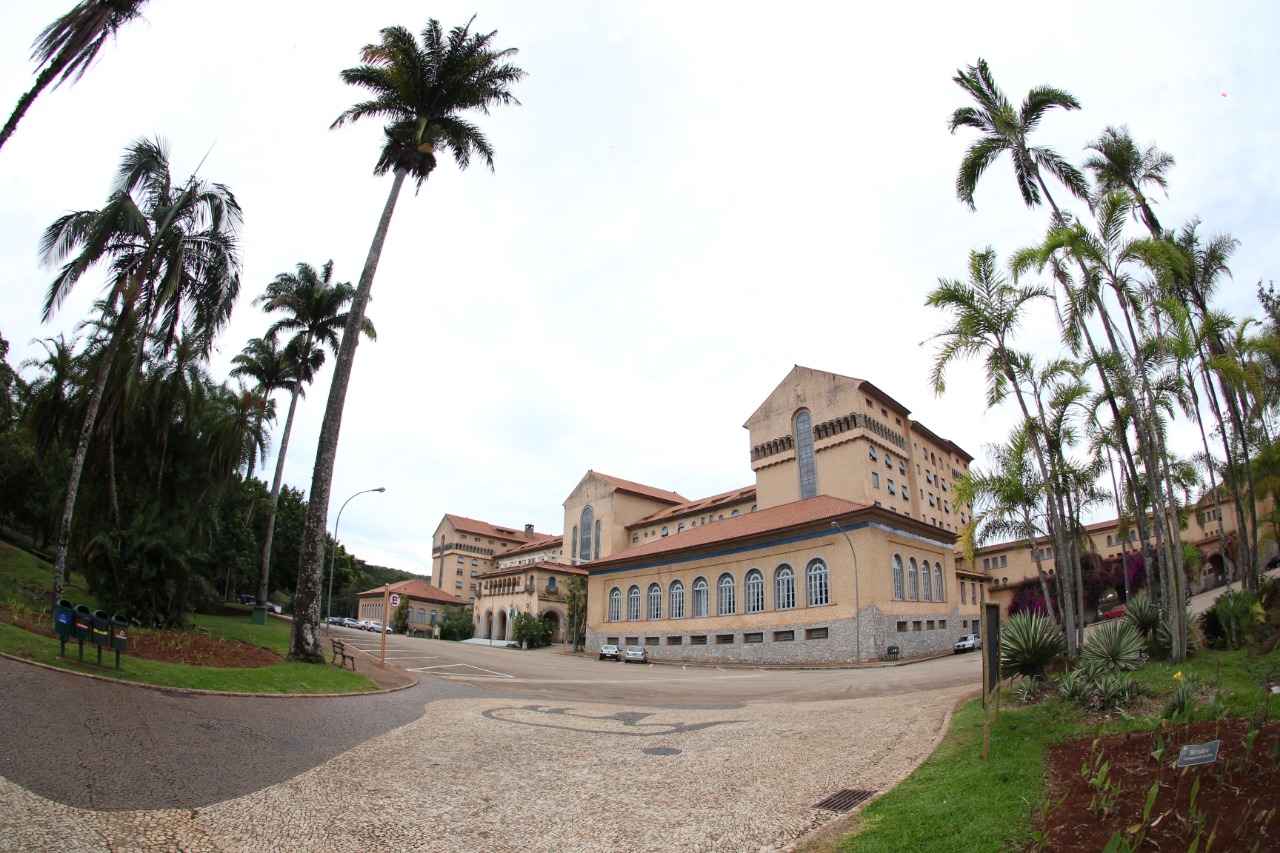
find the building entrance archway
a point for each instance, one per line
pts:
(552, 618)
(500, 627)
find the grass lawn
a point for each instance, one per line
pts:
(956, 802)
(279, 678)
(273, 635)
(27, 579)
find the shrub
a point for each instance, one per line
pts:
(1183, 699)
(1029, 642)
(530, 631)
(1162, 642)
(1238, 613)
(1099, 689)
(1143, 614)
(1113, 647)
(456, 624)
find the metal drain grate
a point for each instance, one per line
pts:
(844, 800)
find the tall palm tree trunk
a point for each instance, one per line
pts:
(82, 453)
(265, 577)
(24, 103)
(305, 643)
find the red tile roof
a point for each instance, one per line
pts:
(484, 528)
(641, 489)
(545, 565)
(416, 588)
(550, 542)
(689, 507)
(793, 514)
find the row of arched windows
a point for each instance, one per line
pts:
(817, 593)
(917, 581)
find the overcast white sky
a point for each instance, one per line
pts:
(692, 198)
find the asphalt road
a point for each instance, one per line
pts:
(97, 745)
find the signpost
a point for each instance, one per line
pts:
(388, 601)
(990, 639)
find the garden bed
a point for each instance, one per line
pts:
(1101, 787)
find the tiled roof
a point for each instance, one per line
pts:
(641, 489)
(781, 517)
(731, 496)
(416, 588)
(549, 542)
(545, 565)
(484, 528)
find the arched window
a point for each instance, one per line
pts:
(725, 605)
(913, 581)
(816, 583)
(937, 585)
(597, 541)
(899, 591)
(784, 588)
(803, 429)
(633, 603)
(676, 607)
(574, 540)
(926, 581)
(655, 601)
(755, 591)
(700, 597)
(615, 604)
(584, 545)
(963, 596)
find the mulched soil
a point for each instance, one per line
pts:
(1237, 800)
(189, 647)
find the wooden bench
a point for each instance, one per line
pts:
(340, 656)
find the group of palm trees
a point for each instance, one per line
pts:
(1142, 342)
(171, 256)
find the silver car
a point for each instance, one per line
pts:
(635, 654)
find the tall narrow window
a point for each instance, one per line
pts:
(725, 605)
(755, 591)
(655, 601)
(584, 546)
(913, 580)
(633, 603)
(899, 591)
(676, 607)
(926, 582)
(596, 543)
(574, 540)
(964, 597)
(784, 588)
(615, 604)
(937, 582)
(700, 597)
(816, 583)
(803, 428)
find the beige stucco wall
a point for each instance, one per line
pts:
(644, 533)
(614, 509)
(529, 591)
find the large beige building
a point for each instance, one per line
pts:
(462, 549)
(842, 548)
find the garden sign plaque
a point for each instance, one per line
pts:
(1193, 754)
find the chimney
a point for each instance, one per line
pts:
(528, 529)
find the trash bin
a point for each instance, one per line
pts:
(101, 632)
(63, 616)
(119, 636)
(82, 623)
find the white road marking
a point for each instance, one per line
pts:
(430, 671)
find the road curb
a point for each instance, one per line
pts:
(195, 691)
(779, 667)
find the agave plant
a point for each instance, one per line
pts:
(1029, 642)
(1113, 647)
(1143, 614)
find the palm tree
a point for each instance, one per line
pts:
(170, 250)
(315, 312)
(49, 407)
(271, 369)
(1004, 129)
(422, 93)
(173, 381)
(65, 49)
(1119, 165)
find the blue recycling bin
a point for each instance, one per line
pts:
(64, 614)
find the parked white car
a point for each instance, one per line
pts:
(967, 643)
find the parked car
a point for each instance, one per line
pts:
(635, 654)
(274, 608)
(245, 598)
(610, 652)
(1115, 612)
(348, 622)
(967, 643)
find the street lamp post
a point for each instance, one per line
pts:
(857, 597)
(334, 556)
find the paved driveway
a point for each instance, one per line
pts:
(495, 749)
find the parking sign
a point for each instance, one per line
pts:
(395, 599)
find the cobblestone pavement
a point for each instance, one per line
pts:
(488, 765)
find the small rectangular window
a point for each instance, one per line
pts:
(724, 639)
(871, 452)
(633, 641)
(915, 626)
(674, 641)
(755, 637)
(875, 479)
(942, 624)
(892, 488)
(928, 625)
(902, 627)
(698, 640)
(783, 636)
(815, 633)
(612, 641)
(652, 641)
